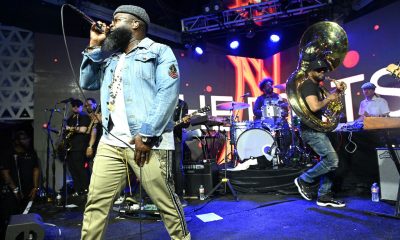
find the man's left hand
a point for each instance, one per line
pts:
(142, 151)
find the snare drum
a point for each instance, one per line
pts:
(255, 143)
(271, 110)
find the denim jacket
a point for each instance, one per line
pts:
(150, 85)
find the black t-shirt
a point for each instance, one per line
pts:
(26, 162)
(99, 133)
(260, 101)
(310, 88)
(181, 110)
(79, 141)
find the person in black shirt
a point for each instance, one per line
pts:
(77, 125)
(268, 97)
(181, 110)
(19, 171)
(311, 93)
(95, 129)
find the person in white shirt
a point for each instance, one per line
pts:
(373, 105)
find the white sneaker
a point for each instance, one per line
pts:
(252, 161)
(240, 167)
(120, 200)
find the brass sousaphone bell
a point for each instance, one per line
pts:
(326, 43)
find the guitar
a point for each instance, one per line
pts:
(186, 118)
(93, 119)
(394, 70)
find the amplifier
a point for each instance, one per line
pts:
(197, 174)
(388, 174)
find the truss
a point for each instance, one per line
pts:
(255, 13)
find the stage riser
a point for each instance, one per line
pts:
(263, 180)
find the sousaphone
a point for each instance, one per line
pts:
(324, 42)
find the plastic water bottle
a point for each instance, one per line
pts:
(201, 193)
(58, 200)
(375, 192)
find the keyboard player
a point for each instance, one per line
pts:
(373, 105)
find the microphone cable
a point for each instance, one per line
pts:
(76, 81)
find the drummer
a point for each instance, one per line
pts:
(267, 98)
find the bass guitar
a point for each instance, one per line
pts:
(187, 118)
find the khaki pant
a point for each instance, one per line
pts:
(108, 177)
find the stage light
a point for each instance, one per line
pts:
(199, 50)
(250, 34)
(215, 6)
(274, 38)
(234, 44)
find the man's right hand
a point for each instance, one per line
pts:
(96, 37)
(333, 97)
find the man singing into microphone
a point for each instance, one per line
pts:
(139, 84)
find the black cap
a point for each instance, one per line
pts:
(76, 102)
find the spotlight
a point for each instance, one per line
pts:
(214, 6)
(250, 33)
(274, 38)
(198, 50)
(234, 44)
(206, 9)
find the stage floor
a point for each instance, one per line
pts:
(254, 216)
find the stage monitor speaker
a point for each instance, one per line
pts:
(197, 174)
(388, 174)
(25, 226)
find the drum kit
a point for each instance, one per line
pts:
(269, 138)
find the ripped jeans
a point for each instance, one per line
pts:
(329, 160)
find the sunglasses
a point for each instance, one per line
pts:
(75, 105)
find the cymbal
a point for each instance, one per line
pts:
(232, 106)
(281, 86)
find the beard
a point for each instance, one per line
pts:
(268, 90)
(118, 39)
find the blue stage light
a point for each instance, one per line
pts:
(199, 50)
(274, 38)
(234, 44)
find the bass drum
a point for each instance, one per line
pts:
(255, 143)
(238, 128)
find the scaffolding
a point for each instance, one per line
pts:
(271, 10)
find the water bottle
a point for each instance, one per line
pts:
(375, 192)
(201, 193)
(59, 200)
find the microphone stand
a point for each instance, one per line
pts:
(224, 180)
(66, 151)
(50, 143)
(18, 173)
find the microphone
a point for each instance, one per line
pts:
(52, 110)
(245, 95)
(66, 100)
(87, 18)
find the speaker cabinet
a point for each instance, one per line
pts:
(388, 174)
(197, 174)
(25, 226)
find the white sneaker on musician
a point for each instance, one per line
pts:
(120, 200)
(244, 165)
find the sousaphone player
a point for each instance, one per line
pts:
(322, 48)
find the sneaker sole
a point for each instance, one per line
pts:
(330, 204)
(299, 189)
